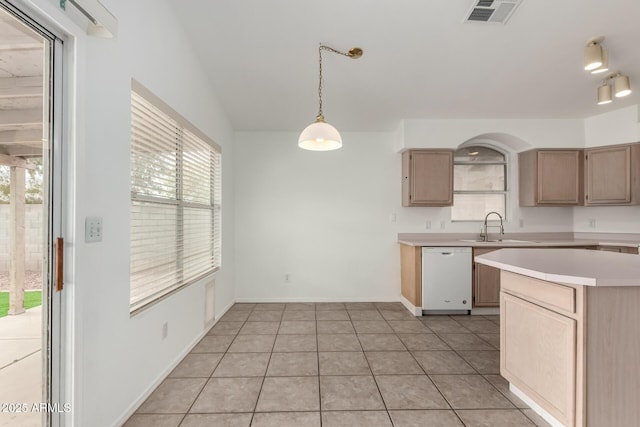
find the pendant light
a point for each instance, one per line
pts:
(320, 135)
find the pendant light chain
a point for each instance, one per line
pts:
(320, 116)
(322, 47)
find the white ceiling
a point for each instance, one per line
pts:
(21, 87)
(420, 59)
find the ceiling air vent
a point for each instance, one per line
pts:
(495, 11)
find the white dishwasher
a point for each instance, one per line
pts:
(446, 278)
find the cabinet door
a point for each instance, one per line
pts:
(608, 175)
(486, 283)
(538, 355)
(559, 177)
(428, 178)
(487, 286)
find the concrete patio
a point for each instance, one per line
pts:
(21, 366)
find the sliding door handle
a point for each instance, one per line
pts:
(59, 263)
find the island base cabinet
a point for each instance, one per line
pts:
(573, 349)
(538, 355)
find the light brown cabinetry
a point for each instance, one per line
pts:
(612, 175)
(572, 349)
(411, 274)
(531, 332)
(427, 178)
(486, 282)
(551, 177)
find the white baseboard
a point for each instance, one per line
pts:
(164, 374)
(536, 408)
(416, 311)
(286, 300)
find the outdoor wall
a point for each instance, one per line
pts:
(33, 238)
(118, 359)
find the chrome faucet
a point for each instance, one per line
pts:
(484, 234)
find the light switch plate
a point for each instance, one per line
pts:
(93, 229)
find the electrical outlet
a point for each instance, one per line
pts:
(442, 225)
(287, 277)
(592, 223)
(393, 217)
(165, 330)
(521, 222)
(427, 224)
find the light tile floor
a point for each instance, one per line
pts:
(339, 364)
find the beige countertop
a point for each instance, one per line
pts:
(570, 266)
(520, 240)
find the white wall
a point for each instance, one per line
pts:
(521, 134)
(325, 218)
(118, 358)
(322, 217)
(615, 127)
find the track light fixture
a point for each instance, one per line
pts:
(593, 55)
(596, 60)
(621, 87)
(320, 135)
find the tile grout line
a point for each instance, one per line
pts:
(357, 335)
(214, 369)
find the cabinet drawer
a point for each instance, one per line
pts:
(556, 297)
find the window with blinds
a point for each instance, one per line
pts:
(175, 201)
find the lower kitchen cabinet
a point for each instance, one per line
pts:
(536, 337)
(486, 282)
(411, 274)
(572, 349)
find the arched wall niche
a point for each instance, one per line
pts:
(505, 142)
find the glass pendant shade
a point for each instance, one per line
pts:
(604, 94)
(592, 56)
(621, 86)
(320, 136)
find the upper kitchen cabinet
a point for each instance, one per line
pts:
(427, 177)
(551, 177)
(612, 175)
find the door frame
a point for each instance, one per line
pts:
(59, 360)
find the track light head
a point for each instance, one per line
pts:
(593, 56)
(621, 86)
(604, 67)
(604, 94)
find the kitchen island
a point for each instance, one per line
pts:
(570, 333)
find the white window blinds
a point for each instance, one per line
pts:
(175, 201)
